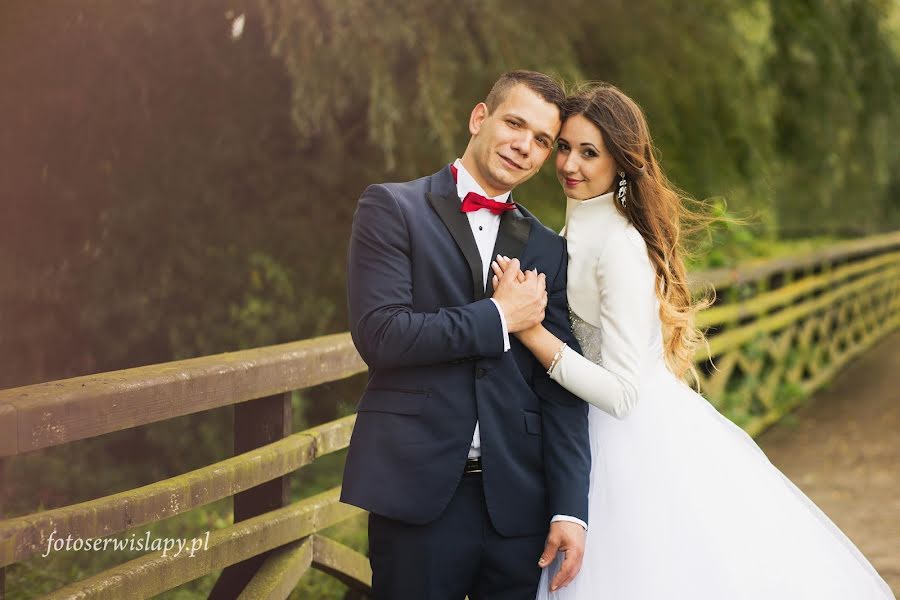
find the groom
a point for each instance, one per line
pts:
(464, 451)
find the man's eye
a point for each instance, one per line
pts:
(513, 123)
(543, 142)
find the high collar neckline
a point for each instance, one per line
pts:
(601, 199)
(586, 209)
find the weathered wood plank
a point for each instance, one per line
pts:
(9, 436)
(282, 570)
(154, 574)
(256, 423)
(25, 536)
(723, 342)
(343, 563)
(3, 465)
(58, 412)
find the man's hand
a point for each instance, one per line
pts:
(566, 537)
(500, 266)
(523, 302)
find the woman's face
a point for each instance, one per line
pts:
(583, 166)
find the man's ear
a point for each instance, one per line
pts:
(477, 118)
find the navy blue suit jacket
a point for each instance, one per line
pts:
(423, 322)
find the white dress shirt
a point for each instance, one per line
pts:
(485, 226)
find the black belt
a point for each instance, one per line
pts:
(473, 465)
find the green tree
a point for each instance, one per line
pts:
(837, 71)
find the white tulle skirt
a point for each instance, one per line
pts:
(684, 505)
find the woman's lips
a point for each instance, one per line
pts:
(572, 182)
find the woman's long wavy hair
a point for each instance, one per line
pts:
(661, 213)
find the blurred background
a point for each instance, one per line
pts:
(178, 179)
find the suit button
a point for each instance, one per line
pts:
(479, 373)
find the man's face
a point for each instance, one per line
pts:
(509, 145)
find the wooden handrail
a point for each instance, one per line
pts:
(755, 271)
(760, 304)
(25, 536)
(48, 414)
(766, 324)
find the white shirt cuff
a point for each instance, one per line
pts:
(505, 330)
(569, 519)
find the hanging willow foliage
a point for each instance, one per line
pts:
(403, 77)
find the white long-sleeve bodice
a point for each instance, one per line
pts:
(613, 305)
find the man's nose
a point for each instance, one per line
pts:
(522, 143)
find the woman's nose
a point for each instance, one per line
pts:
(570, 167)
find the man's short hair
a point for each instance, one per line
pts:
(543, 85)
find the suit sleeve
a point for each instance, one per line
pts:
(387, 332)
(567, 456)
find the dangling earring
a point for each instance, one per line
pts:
(620, 195)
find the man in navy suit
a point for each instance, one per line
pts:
(464, 451)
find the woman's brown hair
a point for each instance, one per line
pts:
(658, 210)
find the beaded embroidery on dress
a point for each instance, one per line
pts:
(588, 337)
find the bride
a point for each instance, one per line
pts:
(683, 503)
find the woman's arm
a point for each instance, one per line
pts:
(543, 344)
(627, 297)
(589, 381)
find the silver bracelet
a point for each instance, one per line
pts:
(556, 358)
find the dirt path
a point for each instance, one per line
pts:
(843, 451)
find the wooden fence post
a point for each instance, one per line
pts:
(256, 423)
(3, 486)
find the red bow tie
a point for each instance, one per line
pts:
(473, 201)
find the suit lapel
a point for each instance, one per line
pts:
(447, 208)
(515, 227)
(511, 239)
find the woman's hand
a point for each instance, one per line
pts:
(499, 266)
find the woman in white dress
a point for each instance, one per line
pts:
(683, 503)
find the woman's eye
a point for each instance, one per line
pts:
(562, 147)
(589, 154)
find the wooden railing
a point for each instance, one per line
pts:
(782, 328)
(779, 329)
(258, 384)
